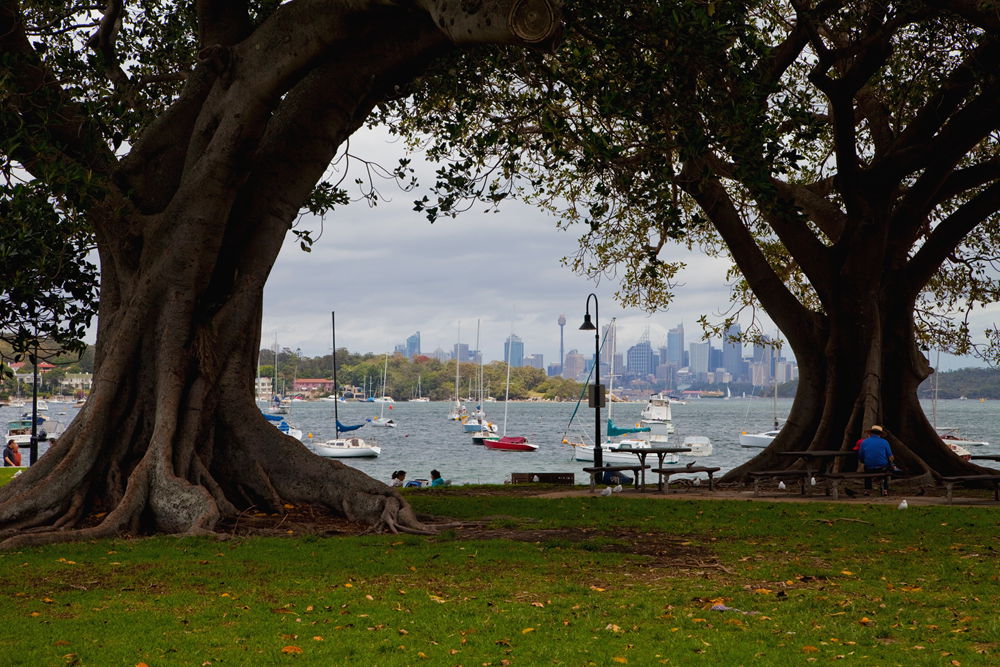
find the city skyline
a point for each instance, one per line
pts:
(387, 272)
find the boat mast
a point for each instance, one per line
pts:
(336, 394)
(458, 351)
(506, 395)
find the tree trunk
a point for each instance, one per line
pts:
(188, 227)
(859, 366)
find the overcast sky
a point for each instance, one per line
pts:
(388, 272)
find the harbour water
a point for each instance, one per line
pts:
(425, 439)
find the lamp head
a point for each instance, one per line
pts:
(587, 325)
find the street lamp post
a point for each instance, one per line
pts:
(597, 389)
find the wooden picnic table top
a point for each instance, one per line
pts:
(986, 457)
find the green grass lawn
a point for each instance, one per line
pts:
(868, 584)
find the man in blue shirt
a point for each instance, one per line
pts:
(876, 456)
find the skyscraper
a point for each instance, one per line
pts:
(413, 345)
(562, 325)
(608, 335)
(675, 345)
(513, 351)
(699, 357)
(640, 359)
(732, 352)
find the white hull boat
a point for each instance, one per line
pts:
(657, 413)
(699, 446)
(384, 422)
(609, 454)
(757, 440)
(951, 436)
(345, 448)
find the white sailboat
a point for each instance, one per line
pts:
(458, 411)
(382, 420)
(419, 398)
(477, 424)
(337, 447)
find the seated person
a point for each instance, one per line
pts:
(398, 478)
(876, 456)
(436, 479)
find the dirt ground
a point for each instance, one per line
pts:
(310, 520)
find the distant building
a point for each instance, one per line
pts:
(413, 345)
(675, 346)
(640, 359)
(460, 352)
(534, 361)
(699, 357)
(78, 381)
(513, 351)
(554, 370)
(609, 337)
(440, 355)
(732, 352)
(313, 385)
(573, 365)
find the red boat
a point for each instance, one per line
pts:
(510, 443)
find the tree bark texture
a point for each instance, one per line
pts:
(188, 227)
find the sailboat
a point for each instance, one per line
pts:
(477, 424)
(509, 443)
(352, 447)
(419, 398)
(458, 411)
(762, 440)
(382, 420)
(949, 435)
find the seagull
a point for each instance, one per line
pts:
(902, 504)
(781, 485)
(617, 489)
(697, 481)
(535, 479)
(812, 481)
(606, 491)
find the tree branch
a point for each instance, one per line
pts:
(950, 232)
(102, 42)
(222, 22)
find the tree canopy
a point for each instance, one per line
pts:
(843, 155)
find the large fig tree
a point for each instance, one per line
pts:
(844, 155)
(182, 140)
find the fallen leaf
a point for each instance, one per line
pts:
(595, 588)
(527, 630)
(810, 649)
(537, 604)
(620, 659)
(865, 620)
(60, 642)
(847, 572)
(291, 650)
(317, 638)
(763, 591)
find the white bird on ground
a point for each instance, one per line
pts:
(535, 479)
(697, 481)
(781, 485)
(902, 504)
(812, 481)
(606, 491)
(617, 489)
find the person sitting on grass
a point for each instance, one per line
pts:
(436, 479)
(876, 456)
(12, 454)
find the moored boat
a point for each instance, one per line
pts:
(345, 448)
(510, 443)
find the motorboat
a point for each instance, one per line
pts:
(382, 420)
(657, 413)
(479, 436)
(951, 436)
(385, 422)
(758, 440)
(699, 445)
(19, 430)
(510, 443)
(345, 448)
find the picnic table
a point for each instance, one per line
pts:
(818, 460)
(643, 452)
(986, 457)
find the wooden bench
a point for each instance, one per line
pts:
(950, 482)
(542, 478)
(837, 477)
(636, 469)
(664, 483)
(799, 475)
